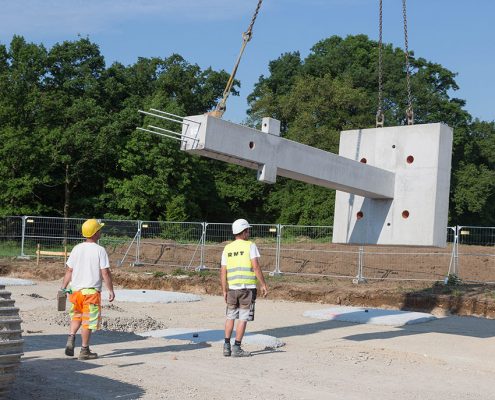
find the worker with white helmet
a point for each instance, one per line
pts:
(240, 274)
(87, 265)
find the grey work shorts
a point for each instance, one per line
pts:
(240, 304)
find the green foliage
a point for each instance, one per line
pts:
(453, 280)
(70, 147)
(10, 248)
(335, 88)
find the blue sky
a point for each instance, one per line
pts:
(458, 34)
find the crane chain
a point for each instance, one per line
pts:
(380, 118)
(246, 37)
(409, 110)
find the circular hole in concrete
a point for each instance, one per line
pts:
(251, 145)
(410, 159)
(363, 160)
(388, 223)
(359, 215)
(393, 146)
(405, 214)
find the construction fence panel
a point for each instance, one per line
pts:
(171, 244)
(119, 239)
(51, 234)
(217, 235)
(429, 264)
(476, 254)
(308, 250)
(408, 263)
(288, 249)
(11, 236)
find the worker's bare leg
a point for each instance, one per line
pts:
(239, 330)
(74, 327)
(229, 327)
(85, 335)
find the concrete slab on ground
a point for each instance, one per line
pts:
(15, 282)
(212, 336)
(375, 316)
(152, 296)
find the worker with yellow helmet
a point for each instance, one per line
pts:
(239, 275)
(87, 266)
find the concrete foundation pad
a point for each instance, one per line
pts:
(16, 282)
(374, 316)
(212, 336)
(152, 296)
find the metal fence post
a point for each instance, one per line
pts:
(456, 250)
(138, 263)
(24, 218)
(276, 271)
(359, 278)
(203, 244)
(453, 266)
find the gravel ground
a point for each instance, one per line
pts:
(450, 358)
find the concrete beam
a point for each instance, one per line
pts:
(272, 155)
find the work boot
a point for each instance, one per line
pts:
(69, 347)
(238, 352)
(227, 350)
(86, 354)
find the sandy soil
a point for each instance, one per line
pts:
(450, 358)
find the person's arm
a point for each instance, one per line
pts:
(67, 278)
(223, 281)
(107, 278)
(259, 274)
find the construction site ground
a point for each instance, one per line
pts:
(452, 357)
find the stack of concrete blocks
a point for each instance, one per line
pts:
(11, 342)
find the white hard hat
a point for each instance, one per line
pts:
(239, 225)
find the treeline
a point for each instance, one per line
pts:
(69, 146)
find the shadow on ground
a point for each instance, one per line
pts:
(33, 382)
(476, 327)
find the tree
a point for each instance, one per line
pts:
(156, 180)
(22, 68)
(335, 88)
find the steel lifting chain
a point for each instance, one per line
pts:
(246, 37)
(380, 118)
(409, 110)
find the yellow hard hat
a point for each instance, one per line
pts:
(90, 227)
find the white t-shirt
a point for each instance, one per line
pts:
(86, 260)
(253, 253)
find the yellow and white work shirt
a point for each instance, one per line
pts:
(236, 257)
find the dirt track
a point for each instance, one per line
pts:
(450, 358)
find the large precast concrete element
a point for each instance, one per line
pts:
(420, 157)
(272, 155)
(392, 183)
